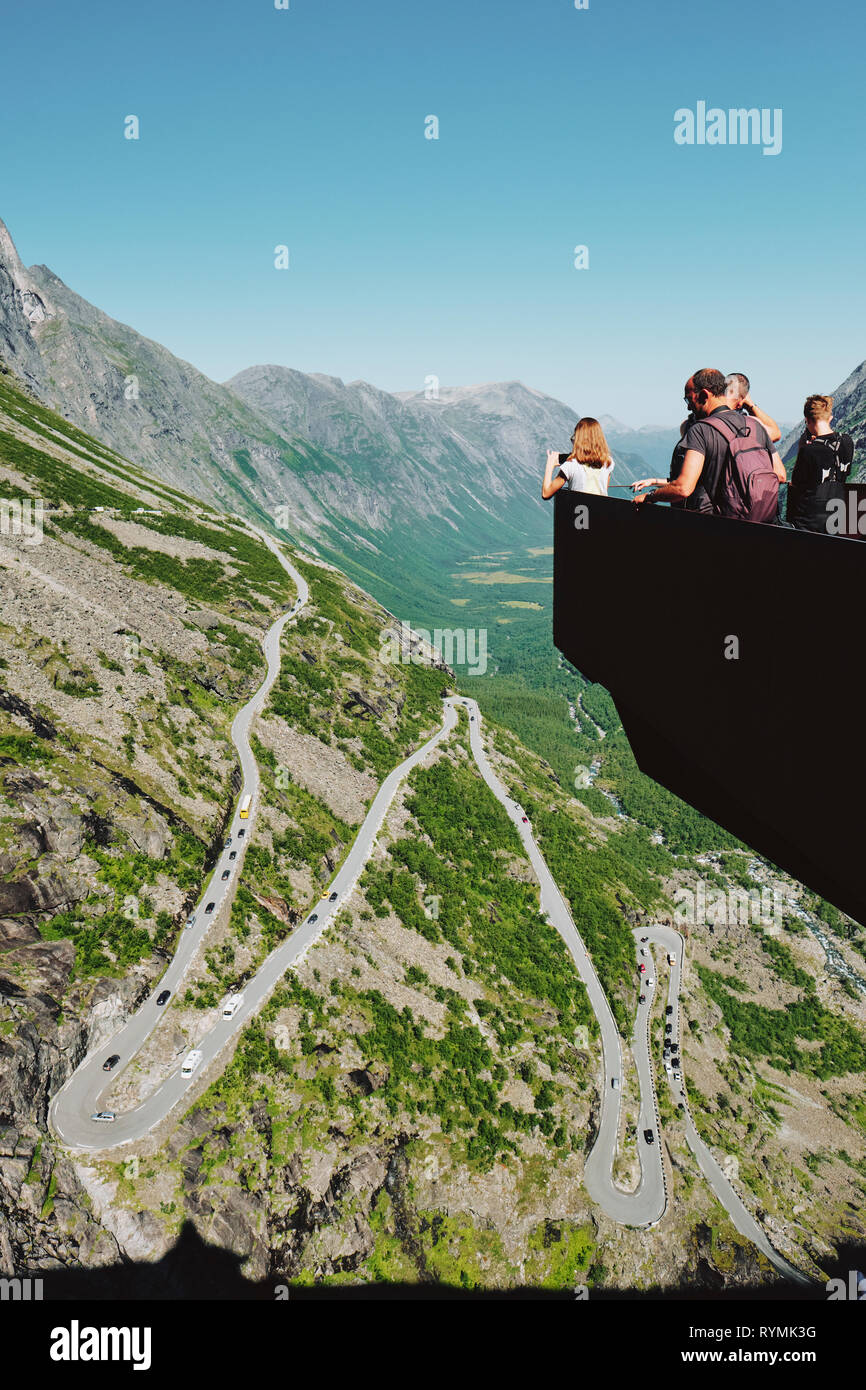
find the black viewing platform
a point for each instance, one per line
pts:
(769, 745)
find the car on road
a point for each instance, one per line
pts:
(105, 1116)
(669, 1027)
(614, 1081)
(669, 1009)
(234, 854)
(231, 1004)
(226, 873)
(675, 1061)
(242, 832)
(313, 917)
(642, 951)
(190, 921)
(190, 1062)
(111, 1062)
(332, 898)
(644, 938)
(164, 997)
(525, 820)
(678, 1076)
(649, 1136)
(642, 968)
(228, 842)
(210, 907)
(642, 999)
(650, 981)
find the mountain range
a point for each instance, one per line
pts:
(351, 468)
(416, 1103)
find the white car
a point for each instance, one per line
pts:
(650, 982)
(678, 1076)
(104, 1116)
(614, 1081)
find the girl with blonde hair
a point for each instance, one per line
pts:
(587, 468)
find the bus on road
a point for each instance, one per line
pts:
(245, 807)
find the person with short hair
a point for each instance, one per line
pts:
(737, 393)
(824, 461)
(587, 468)
(706, 449)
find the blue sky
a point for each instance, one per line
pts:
(451, 257)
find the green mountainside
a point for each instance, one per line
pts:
(416, 1101)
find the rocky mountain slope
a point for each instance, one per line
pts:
(417, 1101)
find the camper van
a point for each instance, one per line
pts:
(190, 1062)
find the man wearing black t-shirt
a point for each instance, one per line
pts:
(704, 450)
(823, 464)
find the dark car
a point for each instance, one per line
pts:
(228, 842)
(241, 833)
(210, 907)
(669, 1027)
(313, 917)
(649, 1136)
(234, 854)
(642, 999)
(332, 898)
(675, 1061)
(111, 1062)
(164, 997)
(644, 938)
(669, 1009)
(226, 873)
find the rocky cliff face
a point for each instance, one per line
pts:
(23, 308)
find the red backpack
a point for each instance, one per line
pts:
(748, 488)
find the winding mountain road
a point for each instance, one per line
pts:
(72, 1108)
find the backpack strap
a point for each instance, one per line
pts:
(839, 468)
(727, 431)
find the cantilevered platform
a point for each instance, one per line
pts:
(770, 744)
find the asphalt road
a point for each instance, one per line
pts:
(86, 1090)
(671, 941)
(646, 1204)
